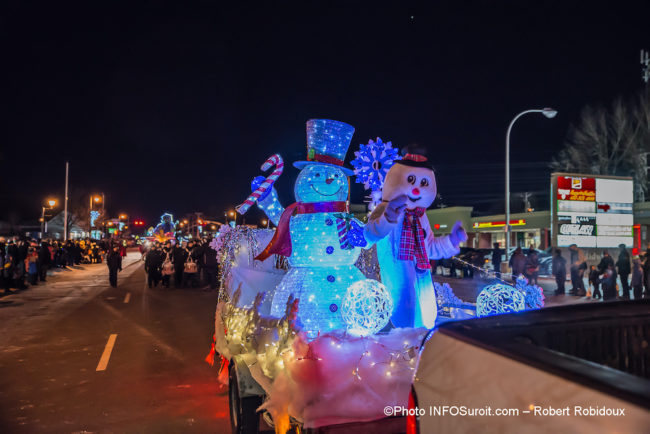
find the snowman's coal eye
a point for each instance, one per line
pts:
(317, 175)
(411, 179)
(336, 176)
(424, 182)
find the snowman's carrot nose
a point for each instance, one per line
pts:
(329, 180)
(416, 191)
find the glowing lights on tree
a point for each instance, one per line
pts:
(366, 308)
(499, 298)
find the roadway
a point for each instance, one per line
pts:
(79, 356)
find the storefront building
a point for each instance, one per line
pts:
(530, 228)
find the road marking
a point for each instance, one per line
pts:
(127, 297)
(103, 361)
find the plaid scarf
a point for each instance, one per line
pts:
(412, 240)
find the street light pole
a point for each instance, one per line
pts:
(549, 113)
(43, 223)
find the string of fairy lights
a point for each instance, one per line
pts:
(490, 273)
(271, 340)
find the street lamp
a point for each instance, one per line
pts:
(265, 222)
(549, 113)
(51, 203)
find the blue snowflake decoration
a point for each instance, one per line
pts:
(499, 298)
(372, 162)
(533, 294)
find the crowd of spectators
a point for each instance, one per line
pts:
(26, 261)
(191, 264)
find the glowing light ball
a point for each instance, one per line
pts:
(366, 307)
(499, 298)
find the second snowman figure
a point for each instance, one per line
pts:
(405, 241)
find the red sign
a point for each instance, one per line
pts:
(576, 188)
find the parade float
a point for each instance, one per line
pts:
(321, 321)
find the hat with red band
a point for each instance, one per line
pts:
(327, 143)
(413, 156)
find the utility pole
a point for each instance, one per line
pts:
(65, 205)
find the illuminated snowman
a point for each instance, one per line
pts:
(314, 233)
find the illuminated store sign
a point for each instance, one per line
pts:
(483, 225)
(593, 211)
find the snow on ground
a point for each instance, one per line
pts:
(64, 291)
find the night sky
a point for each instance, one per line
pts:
(174, 107)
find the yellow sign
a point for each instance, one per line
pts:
(483, 225)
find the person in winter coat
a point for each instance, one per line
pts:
(637, 278)
(594, 282)
(496, 259)
(44, 260)
(646, 272)
(167, 267)
(31, 265)
(578, 267)
(559, 271)
(624, 269)
(605, 263)
(531, 268)
(179, 255)
(152, 264)
(191, 279)
(609, 283)
(517, 263)
(114, 263)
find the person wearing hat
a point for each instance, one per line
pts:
(405, 242)
(317, 233)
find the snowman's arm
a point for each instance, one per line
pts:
(271, 206)
(378, 226)
(440, 247)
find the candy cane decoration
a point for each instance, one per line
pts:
(273, 160)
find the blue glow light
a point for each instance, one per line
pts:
(499, 298)
(328, 138)
(321, 183)
(373, 162)
(94, 215)
(533, 294)
(166, 224)
(322, 269)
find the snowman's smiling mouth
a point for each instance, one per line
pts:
(323, 194)
(414, 199)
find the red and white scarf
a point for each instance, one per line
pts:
(411, 242)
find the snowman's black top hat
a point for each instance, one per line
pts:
(414, 157)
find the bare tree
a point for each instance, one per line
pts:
(612, 141)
